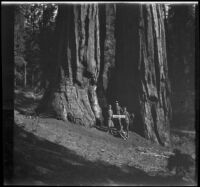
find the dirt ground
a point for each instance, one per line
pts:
(49, 151)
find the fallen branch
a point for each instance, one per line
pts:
(184, 131)
(158, 155)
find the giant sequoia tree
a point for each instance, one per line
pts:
(155, 86)
(109, 52)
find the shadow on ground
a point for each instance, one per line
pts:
(38, 161)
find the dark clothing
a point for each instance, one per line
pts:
(118, 109)
(110, 122)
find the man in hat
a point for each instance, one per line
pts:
(126, 120)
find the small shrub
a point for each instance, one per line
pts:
(180, 162)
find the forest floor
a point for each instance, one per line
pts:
(54, 152)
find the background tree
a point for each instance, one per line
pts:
(19, 48)
(33, 39)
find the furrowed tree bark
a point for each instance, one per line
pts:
(72, 94)
(110, 44)
(133, 47)
(155, 85)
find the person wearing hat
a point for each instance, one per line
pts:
(126, 120)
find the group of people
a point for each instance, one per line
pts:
(122, 120)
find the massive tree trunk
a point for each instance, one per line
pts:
(72, 93)
(155, 86)
(132, 44)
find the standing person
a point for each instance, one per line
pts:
(118, 111)
(110, 115)
(131, 119)
(126, 120)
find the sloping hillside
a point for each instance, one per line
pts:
(50, 151)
